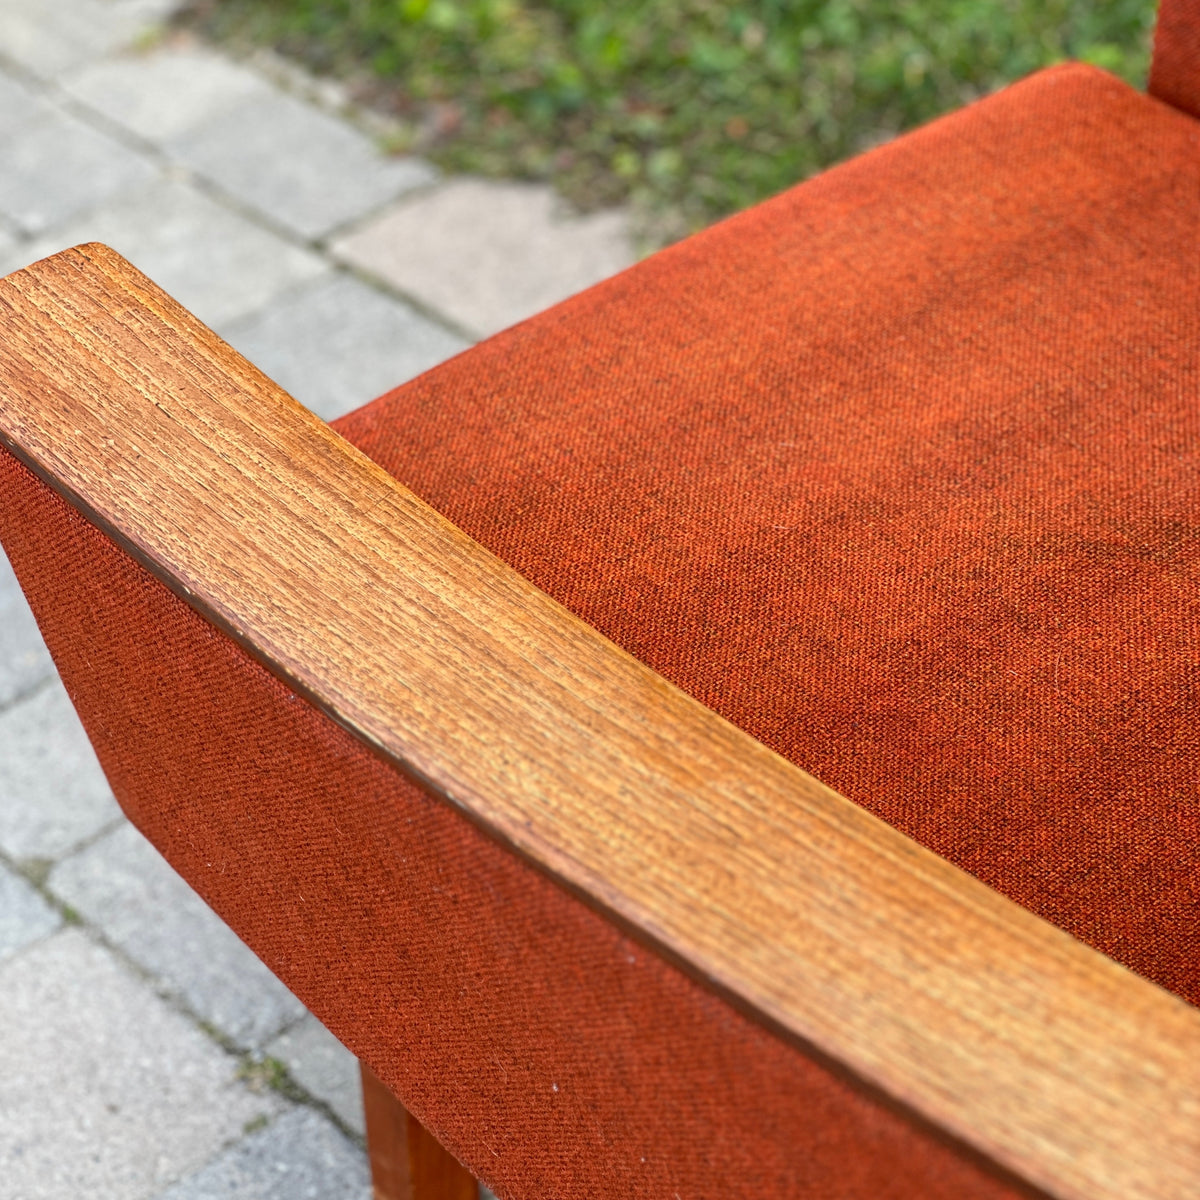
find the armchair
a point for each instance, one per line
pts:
(755, 757)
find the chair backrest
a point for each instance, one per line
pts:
(1175, 71)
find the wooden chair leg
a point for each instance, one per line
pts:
(407, 1161)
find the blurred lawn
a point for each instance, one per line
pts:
(688, 108)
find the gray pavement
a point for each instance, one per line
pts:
(141, 1043)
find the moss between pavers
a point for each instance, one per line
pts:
(269, 1073)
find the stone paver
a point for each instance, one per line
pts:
(295, 164)
(123, 886)
(488, 254)
(213, 261)
(49, 37)
(53, 794)
(337, 343)
(12, 251)
(24, 915)
(55, 167)
(301, 1156)
(24, 660)
(164, 94)
(19, 106)
(321, 1065)
(105, 1092)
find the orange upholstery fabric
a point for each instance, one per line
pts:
(896, 471)
(1175, 73)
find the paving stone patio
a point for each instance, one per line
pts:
(487, 254)
(132, 1021)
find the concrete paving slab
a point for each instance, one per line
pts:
(25, 917)
(321, 1065)
(214, 262)
(55, 167)
(49, 37)
(18, 104)
(12, 255)
(337, 343)
(297, 165)
(105, 1092)
(300, 1156)
(489, 254)
(53, 794)
(165, 93)
(12, 249)
(146, 13)
(124, 887)
(24, 660)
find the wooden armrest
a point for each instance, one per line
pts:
(809, 913)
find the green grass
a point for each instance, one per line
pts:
(690, 109)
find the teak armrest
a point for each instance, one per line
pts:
(820, 920)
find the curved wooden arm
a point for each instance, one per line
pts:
(1048, 1057)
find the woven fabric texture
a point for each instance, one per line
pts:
(897, 472)
(1175, 72)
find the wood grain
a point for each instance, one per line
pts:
(1046, 1056)
(407, 1161)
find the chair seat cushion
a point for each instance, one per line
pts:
(898, 472)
